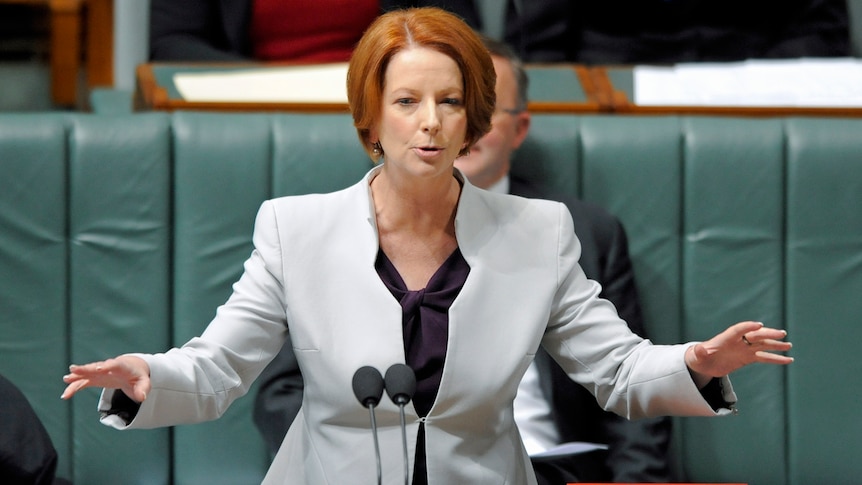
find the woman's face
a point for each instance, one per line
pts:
(423, 122)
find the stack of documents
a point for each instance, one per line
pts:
(324, 83)
(834, 82)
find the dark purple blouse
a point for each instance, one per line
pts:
(425, 322)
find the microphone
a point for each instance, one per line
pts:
(368, 387)
(400, 386)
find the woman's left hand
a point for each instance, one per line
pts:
(742, 344)
(129, 373)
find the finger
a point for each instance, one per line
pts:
(70, 378)
(778, 345)
(743, 328)
(766, 332)
(140, 392)
(767, 336)
(743, 331)
(87, 369)
(701, 352)
(771, 358)
(73, 388)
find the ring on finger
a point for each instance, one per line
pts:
(744, 339)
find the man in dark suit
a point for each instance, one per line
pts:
(656, 31)
(550, 408)
(27, 455)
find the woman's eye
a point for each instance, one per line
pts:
(404, 101)
(452, 101)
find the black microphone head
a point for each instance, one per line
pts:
(400, 383)
(368, 385)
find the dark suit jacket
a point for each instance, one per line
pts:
(606, 32)
(545, 31)
(200, 30)
(27, 455)
(638, 449)
(664, 31)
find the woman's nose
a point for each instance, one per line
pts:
(430, 118)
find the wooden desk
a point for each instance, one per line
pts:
(553, 89)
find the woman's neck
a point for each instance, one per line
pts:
(416, 227)
(425, 205)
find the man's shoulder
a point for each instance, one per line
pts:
(579, 208)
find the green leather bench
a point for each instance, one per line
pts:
(124, 232)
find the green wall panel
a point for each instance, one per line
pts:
(733, 271)
(824, 277)
(222, 175)
(119, 278)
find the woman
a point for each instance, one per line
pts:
(413, 264)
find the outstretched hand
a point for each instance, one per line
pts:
(128, 373)
(742, 344)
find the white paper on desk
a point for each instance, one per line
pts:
(324, 83)
(833, 82)
(570, 448)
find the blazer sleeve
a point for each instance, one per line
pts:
(627, 375)
(638, 450)
(198, 381)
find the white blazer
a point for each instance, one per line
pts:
(312, 273)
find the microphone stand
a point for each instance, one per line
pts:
(404, 441)
(368, 387)
(376, 444)
(400, 384)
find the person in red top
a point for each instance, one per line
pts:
(312, 31)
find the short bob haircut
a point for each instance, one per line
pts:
(428, 27)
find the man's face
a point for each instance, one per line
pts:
(489, 158)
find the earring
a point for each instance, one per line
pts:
(377, 149)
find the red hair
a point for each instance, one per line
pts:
(431, 28)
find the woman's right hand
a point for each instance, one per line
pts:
(740, 345)
(127, 373)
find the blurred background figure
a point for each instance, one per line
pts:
(25, 77)
(551, 409)
(657, 31)
(265, 30)
(27, 455)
